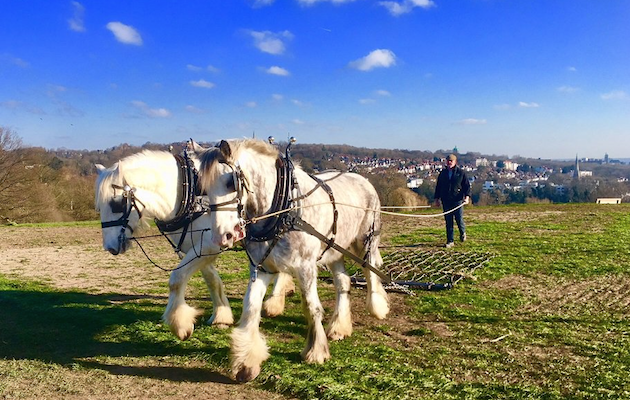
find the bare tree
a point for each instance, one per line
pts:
(14, 177)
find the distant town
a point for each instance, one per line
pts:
(505, 179)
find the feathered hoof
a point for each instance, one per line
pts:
(182, 321)
(221, 326)
(273, 307)
(183, 333)
(247, 374)
(338, 335)
(316, 357)
(222, 319)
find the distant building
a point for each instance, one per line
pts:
(609, 200)
(414, 183)
(576, 168)
(488, 185)
(510, 165)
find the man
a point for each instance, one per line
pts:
(453, 190)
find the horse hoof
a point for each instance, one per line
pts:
(184, 334)
(247, 374)
(335, 336)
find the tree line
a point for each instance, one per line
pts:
(40, 185)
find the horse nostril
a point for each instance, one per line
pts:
(228, 236)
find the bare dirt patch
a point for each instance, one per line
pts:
(553, 295)
(71, 258)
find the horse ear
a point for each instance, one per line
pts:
(99, 168)
(195, 147)
(224, 146)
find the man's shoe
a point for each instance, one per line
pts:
(449, 245)
(462, 238)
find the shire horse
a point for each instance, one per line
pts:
(252, 187)
(157, 185)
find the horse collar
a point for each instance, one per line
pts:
(191, 204)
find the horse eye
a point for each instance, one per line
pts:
(116, 206)
(230, 183)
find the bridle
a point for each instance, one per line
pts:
(241, 185)
(126, 206)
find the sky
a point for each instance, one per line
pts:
(531, 78)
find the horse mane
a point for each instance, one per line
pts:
(125, 167)
(104, 189)
(212, 156)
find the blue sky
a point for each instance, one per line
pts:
(537, 78)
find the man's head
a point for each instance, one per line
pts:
(451, 160)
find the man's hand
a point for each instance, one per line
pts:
(466, 199)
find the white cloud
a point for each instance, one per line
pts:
(568, 89)
(367, 101)
(380, 58)
(502, 107)
(277, 97)
(202, 83)
(311, 2)
(76, 22)
(615, 95)
(406, 6)
(16, 105)
(523, 104)
(209, 68)
(193, 68)
(262, 3)
(271, 43)
(151, 112)
(275, 70)
(18, 62)
(297, 121)
(124, 33)
(194, 110)
(383, 93)
(251, 104)
(571, 69)
(472, 121)
(213, 69)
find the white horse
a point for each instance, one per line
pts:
(154, 185)
(247, 176)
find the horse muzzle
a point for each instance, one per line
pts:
(120, 247)
(228, 239)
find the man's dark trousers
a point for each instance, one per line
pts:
(458, 215)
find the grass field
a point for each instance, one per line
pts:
(547, 318)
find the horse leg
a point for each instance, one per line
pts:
(341, 322)
(249, 348)
(221, 312)
(377, 299)
(316, 350)
(179, 316)
(284, 286)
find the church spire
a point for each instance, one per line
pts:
(576, 169)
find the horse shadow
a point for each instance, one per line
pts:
(70, 328)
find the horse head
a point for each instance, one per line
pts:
(231, 175)
(120, 210)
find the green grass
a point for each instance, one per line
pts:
(545, 319)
